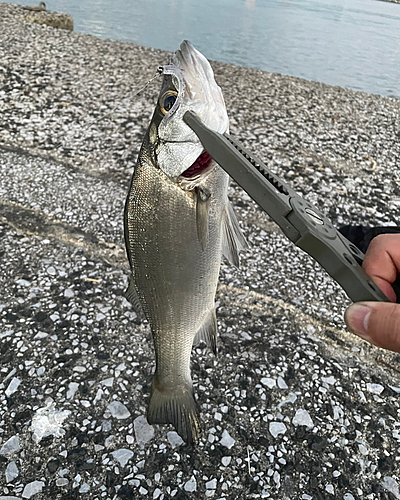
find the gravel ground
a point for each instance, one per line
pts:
(293, 407)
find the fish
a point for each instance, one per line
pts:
(178, 223)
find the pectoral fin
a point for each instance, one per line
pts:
(232, 238)
(202, 206)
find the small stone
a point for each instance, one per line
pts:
(302, 417)
(143, 491)
(23, 283)
(268, 382)
(281, 383)
(227, 440)
(174, 439)
(62, 481)
(191, 485)
(10, 447)
(32, 488)
(118, 410)
(51, 270)
(12, 386)
(11, 472)
(226, 461)
(48, 422)
(391, 485)
(122, 456)
(276, 428)
(68, 293)
(72, 388)
(330, 489)
(79, 369)
(84, 488)
(144, 432)
(130, 439)
(108, 382)
(348, 496)
(156, 493)
(375, 388)
(211, 485)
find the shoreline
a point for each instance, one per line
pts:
(293, 406)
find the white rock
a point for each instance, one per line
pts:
(375, 388)
(10, 447)
(276, 428)
(72, 388)
(348, 496)
(144, 432)
(48, 422)
(143, 491)
(12, 386)
(191, 485)
(277, 479)
(79, 369)
(156, 493)
(23, 283)
(32, 488)
(108, 382)
(390, 484)
(122, 456)
(118, 410)
(330, 489)
(9, 498)
(281, 383)
(68, 293)
(174, 439)
(227, 440)
(84, 488)
(211, 485)
(11, 472)
(302, 417)
(226, 461)
(62, 481)
(329, 380)
(268, 382)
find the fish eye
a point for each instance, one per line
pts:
(167, 101)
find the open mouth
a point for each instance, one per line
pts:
(199, 166)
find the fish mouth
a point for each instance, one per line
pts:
(199, 168)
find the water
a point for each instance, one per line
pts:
(351, 43)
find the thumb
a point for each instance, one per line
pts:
(376, 322)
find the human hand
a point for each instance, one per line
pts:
(379, 322)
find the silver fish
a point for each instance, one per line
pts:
(178, 223)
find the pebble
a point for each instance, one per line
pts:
(48, 421)
(122, 456)
(174, 439)
(226, 461)
(191, 485)
(11, 472)
(390, 484)
(32, 488)
(144, 432)
(302, 417)
(62, 481)
(156, 493)
(84, 488)
(211, 485)
(12, 386)
(375, 388)
(348, 496)
(276, 428)
(10, 447)
(268, 382)
(118, 410)
(227, 440)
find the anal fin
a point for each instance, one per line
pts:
(132, 296)
(208, 332)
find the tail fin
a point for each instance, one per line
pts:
(175, 406)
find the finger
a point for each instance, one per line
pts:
(382, 260)
(376, 322)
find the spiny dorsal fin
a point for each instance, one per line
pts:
(232, 238)
(208, 332)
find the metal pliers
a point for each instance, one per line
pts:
(299, 220)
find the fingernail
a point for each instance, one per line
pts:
(356, 317)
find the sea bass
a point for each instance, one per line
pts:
(178, 223)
